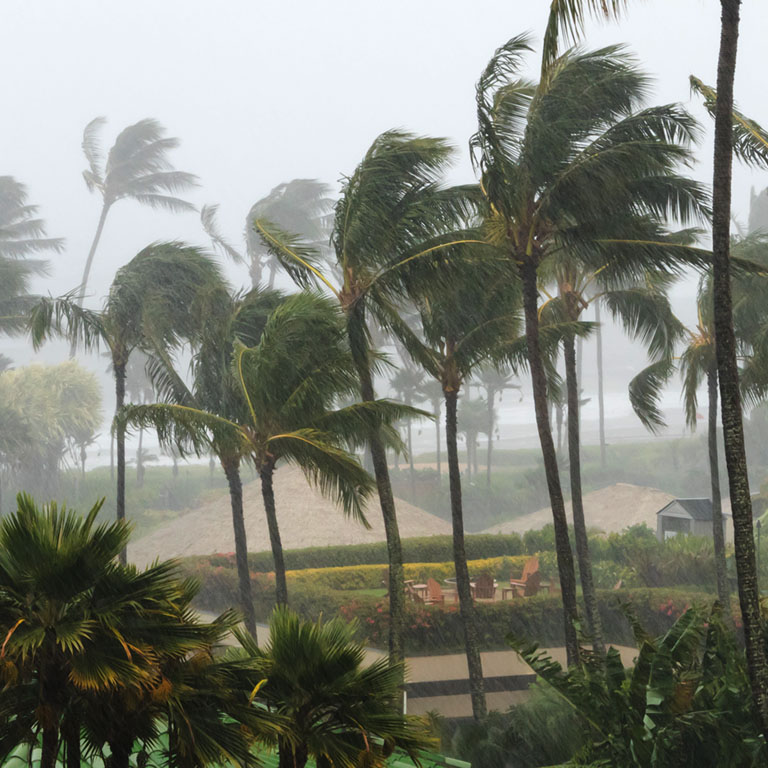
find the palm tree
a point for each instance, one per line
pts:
(289, 383)
(154, 301)
(734, 133)
(137, 168)
(548, 156)
(494, 382)
(406, 383)
(21, 235)
(432, 392)
(472, 421)
(389, 225)
(300, 205)
(339, 710)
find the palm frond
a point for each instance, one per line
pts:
(645, 392)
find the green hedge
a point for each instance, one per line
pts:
(426, 549)
(432, 629)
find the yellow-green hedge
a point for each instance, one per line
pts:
(373, 576)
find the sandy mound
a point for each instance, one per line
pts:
(609, 509)
(306, 520)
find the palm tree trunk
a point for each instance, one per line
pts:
(562, 542)
(120, 749)
(89, 264)
(359, 346)
(140, 460)
(463, 588)
(71, 735)
(50, 748)
(723, 592)
(231, 468)
(411, 475)
(268, 495)
(111, 457)
(727, 366)
(437, 437)
(600, 393)
(591, 609)
(119, 369)
(491, 398)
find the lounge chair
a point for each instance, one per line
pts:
(518, 585)
(434, 592)
(485, 587)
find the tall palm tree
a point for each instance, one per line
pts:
(137, 168)
(406, 382)
(154, 301)
(494, 382)
(431, 392)
(390, 223)
(339, 710)
(735, 134)
(300, 205)
(289, 382)
(472, 421)
(547, 154)
(22, 235)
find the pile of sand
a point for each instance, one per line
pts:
(609, 509)
(307, 519)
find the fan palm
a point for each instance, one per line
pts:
(300, 205)
(154, 300)
(392, 222)
(573, 164)
(137, 168)
(22, 236)
(339, 712)
(289, 383)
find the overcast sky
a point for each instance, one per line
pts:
(261, 92)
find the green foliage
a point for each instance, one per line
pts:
(686, 696)
(338, 710)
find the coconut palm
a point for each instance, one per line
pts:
(548, 156)
(136, 168)
(472, 421)
(745, 138)
(300, 205)
(406, 383)
(431, 392)
(339, 710)
(154, 301)
(22, 235)
(289, 383)
(494, 382)
(392, 221)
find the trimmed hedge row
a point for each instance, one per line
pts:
(431, 629)
(426, 549)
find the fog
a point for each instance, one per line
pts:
(262, 92)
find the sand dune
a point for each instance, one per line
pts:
(306, 520)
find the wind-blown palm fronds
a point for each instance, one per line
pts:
(154, 302)
(394, 223)
(137, 168)
(576, 167)
(22, 238)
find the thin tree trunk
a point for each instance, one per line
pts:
(358, 345)
(562, 542)
(120, 752)
(591, 608)
(733, 428)
(50, 748)
(119, 369)
(437, 438)
(140, 460)
(71, 735)
(411, 471)
(600, 393)
(268, 495)
(723, 592)
(491, 398)
(559, 412)
(463, 588)
(232, 471)
(89, 264)
(112, 457)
